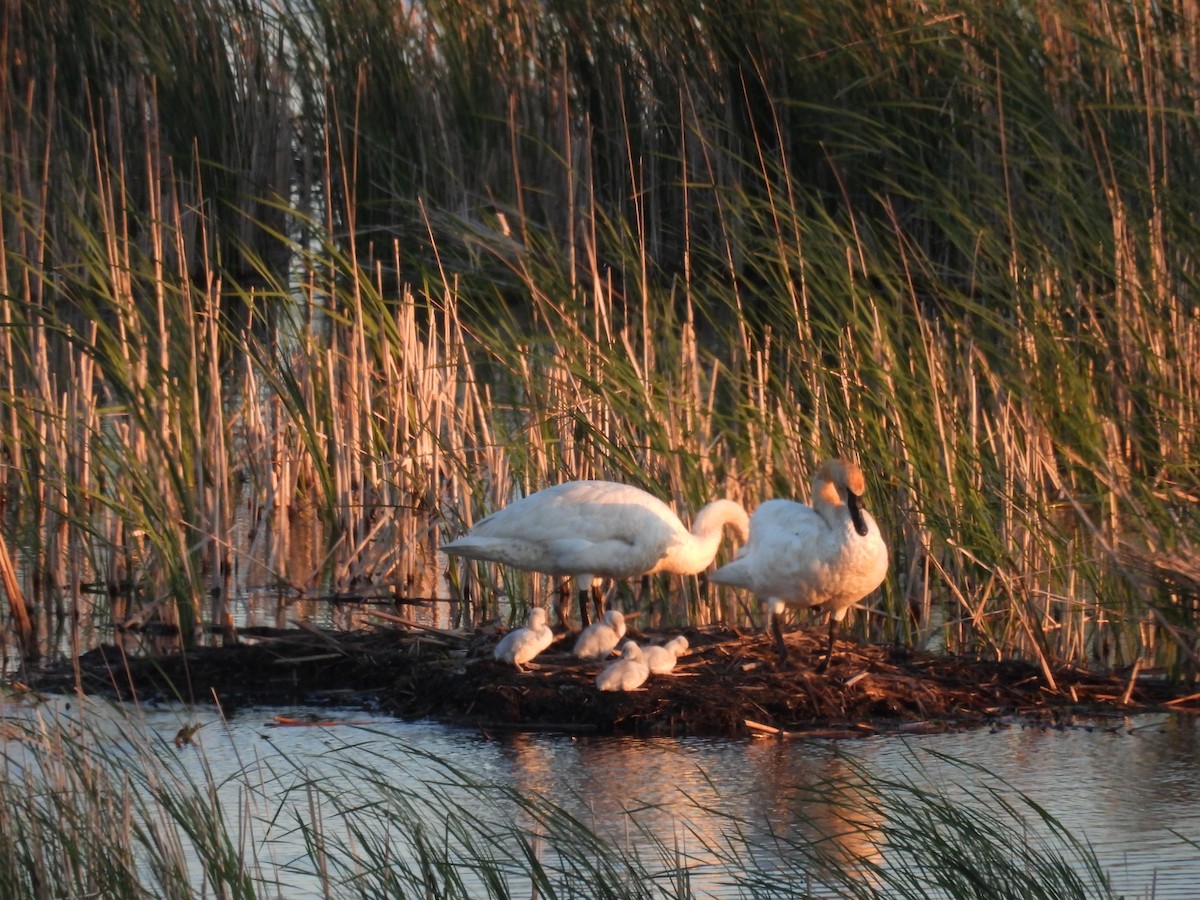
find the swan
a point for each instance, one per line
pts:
(661, 660)
(830, 554)
(599, 529)
(626, 674)
(599, 639)
(521, 645)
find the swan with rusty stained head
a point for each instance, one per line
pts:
(829, 555)
(599, 529)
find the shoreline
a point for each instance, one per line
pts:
(728, 685)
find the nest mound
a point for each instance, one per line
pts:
(729, 684)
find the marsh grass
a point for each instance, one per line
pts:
(390, 269)
(96, 803)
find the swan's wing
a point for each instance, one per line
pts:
(787, 555)
(531, 555)
(599, 528)
(777, 520)
(508, 644)
(658, 659)
(544, 639)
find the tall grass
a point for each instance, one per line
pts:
(389, 267)
(97, 804)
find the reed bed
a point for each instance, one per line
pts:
(290, 291)
(97, 803)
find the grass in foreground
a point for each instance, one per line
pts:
(96, 806)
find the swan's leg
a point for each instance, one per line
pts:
(645, 599)
(777, 630)
(824, 664)
(584, 621)
(564, 604)
(598, 601)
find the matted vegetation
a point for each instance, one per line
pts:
(389, 265)
(729, 685)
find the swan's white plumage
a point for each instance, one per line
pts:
(829, 555)
(600, 639)
(599, 529)
(521, 645)
(661, 659)
(626, 674)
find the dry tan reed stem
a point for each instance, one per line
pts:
(16, 603)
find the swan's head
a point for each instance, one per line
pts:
(841, 482)
(615, 619)
(630, 650)
(537, 618)
(677, 645)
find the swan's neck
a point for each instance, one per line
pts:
(830, 505)
(696, 550)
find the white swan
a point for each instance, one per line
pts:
(830, 554)
(661, 660)
(600, 639)
(626, 674)
(521, 645)
(599, 529)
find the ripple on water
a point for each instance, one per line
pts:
(1129, 787)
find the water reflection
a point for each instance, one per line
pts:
(804, 805)
(1128, 785)
(818, 798)
(632, 791)
(281, 569)
(776, 808)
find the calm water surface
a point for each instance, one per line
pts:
(1129, 787)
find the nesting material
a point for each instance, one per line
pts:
(416, 671)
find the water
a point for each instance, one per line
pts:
(1129, 787)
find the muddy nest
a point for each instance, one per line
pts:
(729, 684)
